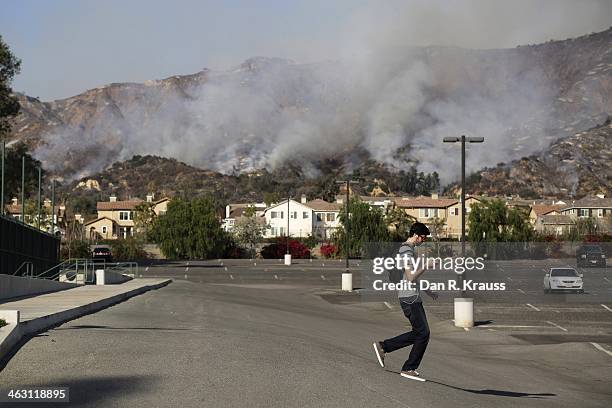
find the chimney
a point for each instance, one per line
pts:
(14, 201)
(78, 218)
(434, 196)
(303, 199)
(601, 195)
(227, 211)
(113, 198)
(47, 203)
(150, 197)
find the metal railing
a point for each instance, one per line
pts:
(83, 271)
(29, 268)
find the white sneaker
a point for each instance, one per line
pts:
(380, 353)
(412, 374)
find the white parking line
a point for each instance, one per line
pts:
(607, 280)
(533, 307)
(600, 348)
(276, 276)
(522, 291)
(187, 269)
(147, 269)
(232, 277)
(388, 305)
(509, 278)
(466, 329)
(557, 326)
(606, 307)
(511, 326)
(322, 277)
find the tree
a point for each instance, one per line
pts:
(399, 223)
(190, 229)
(271, 198)
(367, 225)
(144, 218)
(248, 233)
(127, 249)
(9, 105)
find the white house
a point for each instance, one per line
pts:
(300, 219)
(326, 218)
(233, 212)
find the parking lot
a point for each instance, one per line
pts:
(522, 310)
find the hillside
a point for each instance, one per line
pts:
(268, 113)
(575, 166)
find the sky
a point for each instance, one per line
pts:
(69, 46)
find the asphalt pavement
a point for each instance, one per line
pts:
(230, 333)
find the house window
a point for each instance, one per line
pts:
(104, 229)
(454, 211)
(125, 215)
(282, 214)
(273, 231)
(600, 212)
(584, 212)
(428, 212)
(294, 215)
(305, 214)
(319, 217)
(274, 214)
(281, 231)
(331, 217)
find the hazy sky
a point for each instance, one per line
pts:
(69, 46)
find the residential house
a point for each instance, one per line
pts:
(599, 208)
(13, 209)
(553, 223)
(440, 214)
(540, 210)
(235, 212)
(326, 218)
(116, 218)
(299, 215)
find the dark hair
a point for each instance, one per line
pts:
(418, 228)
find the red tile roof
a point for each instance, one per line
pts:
(424, 202)
(545, 209)
(117, 205)
(321, 205)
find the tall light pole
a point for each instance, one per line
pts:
(288, 254)
(464, 300)
(347, 277)
(39, 184)
(23, 189)
(2, 178)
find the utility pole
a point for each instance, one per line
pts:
(2, 181)
(53, 206)
(39, 182)
(23, 189)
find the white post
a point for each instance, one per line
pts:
(100, 279)
(464, 312)
(287, 259)
(347, 282)
(10, 316)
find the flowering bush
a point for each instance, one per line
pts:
(329, 250)
(278, 249)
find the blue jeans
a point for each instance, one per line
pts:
(418, 337)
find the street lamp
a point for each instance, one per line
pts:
(347, 277)
(463, 306)
(288, 254)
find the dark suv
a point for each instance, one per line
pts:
(103, 253)
(590, 255)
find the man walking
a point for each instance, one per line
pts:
(412, 306)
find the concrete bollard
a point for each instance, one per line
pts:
(347, 282)
(464, 312)
(287, 259)
(100, 279)
(10, 316)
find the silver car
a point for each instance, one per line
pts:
(563, 279)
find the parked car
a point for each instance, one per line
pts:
(563, 279)
(103, 253)
(591, 255)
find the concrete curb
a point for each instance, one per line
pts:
(13, 336)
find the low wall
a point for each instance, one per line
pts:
(16, 286)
